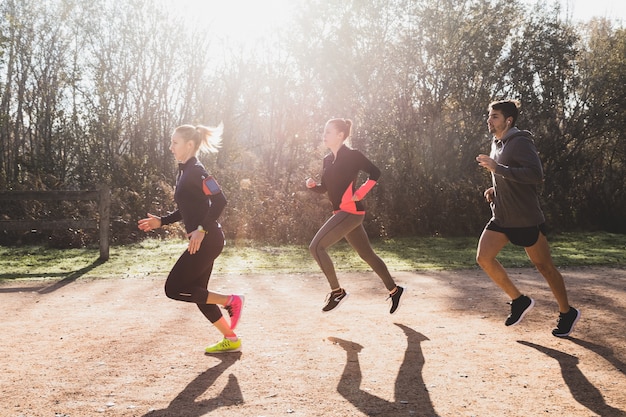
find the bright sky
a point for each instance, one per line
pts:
(583, 10)
(245, 20)
(237, 19)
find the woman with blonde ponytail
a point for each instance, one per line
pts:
(200, 202)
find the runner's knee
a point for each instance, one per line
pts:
(315, 248)
(170, 291)
(544, 267)
(484, 261)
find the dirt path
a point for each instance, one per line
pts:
(121, 348)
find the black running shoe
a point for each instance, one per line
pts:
(395, 299)
(334, 300)
(565, 323)
(519, 307)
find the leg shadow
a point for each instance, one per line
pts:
(582, 390)
(409, 391)
(605, 352)
(70, 278)
(185, 403)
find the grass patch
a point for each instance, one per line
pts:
(156, 257)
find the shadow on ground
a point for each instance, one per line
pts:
(580, 387)
(186, 399)
(410, 391)
(46, 289)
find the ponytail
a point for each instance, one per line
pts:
(211, 138)
(343, 125)
(206, 139)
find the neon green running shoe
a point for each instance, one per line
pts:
(224, 346)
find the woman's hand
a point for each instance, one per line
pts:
(310, 183)
(149, 223)
(195, 240)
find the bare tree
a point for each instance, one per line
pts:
(91, 91)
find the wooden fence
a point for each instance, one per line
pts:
(103, 196)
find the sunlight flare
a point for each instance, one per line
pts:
(239, 20)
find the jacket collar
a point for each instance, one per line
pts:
(190, 162)
(509, 134)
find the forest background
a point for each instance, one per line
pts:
(90, 92)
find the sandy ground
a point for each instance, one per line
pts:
(119, 347)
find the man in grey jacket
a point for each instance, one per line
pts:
(517, 216)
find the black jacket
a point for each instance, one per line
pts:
(195, 208)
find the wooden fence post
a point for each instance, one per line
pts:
(104, 204)
(103, 195)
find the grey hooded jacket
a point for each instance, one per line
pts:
(519, 171)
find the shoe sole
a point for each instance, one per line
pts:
(399, 301)
(223, 351)
(571, 328)
(237, 349)
(338, 304)
(243, 300)
(530, 307)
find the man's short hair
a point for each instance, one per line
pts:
(509, 108)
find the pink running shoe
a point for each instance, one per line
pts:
(234, 309)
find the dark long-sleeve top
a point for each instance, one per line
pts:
(195, 208)
(340, 175)
(515, 180)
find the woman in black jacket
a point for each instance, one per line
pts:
(200, 202)
(341, 168)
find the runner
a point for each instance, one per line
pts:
(340, 170)
(517, 217)
(200, 202)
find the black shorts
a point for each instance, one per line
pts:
(520, 236)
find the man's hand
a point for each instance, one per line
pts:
(489, 194)
(486, 162)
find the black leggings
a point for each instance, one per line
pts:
(189, 278)
(349, 226)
